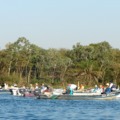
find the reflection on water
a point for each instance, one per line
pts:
(20, 108)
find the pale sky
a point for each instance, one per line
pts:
(60, 23)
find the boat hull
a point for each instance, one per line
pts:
(80, 97)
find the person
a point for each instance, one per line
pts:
(101, 89)
(81, 87)
(36, 86)
(95, 89)
(111, 84)
(43, 88)
(15, 89)
(113, 88)
(6, 86)
(23, 87)
(108, 89)
(31, 87)
(69, 89)
(73, 86)
(46, 90)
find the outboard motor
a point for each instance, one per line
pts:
(37, 92)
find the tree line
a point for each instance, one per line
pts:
(23, 63)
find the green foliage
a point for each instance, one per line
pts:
(24, 63)
(9, 79)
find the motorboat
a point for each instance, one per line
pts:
(81, 96)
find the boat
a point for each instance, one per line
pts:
(30, 93)
(81, 96)
(4, 91)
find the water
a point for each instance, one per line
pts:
(20, 108)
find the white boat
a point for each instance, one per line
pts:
(81, 96)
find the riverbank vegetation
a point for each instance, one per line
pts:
(23, 63)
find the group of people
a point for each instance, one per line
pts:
(70, 89)
(43, 88)
(31, 89)
(109, 87)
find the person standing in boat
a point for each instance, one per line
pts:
(111, 84)
(113, 87)
(6, 86)
(15, 90)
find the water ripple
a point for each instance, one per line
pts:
(20, 108)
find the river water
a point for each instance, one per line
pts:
(21, 108)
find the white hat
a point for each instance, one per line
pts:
(95, 85)
(107, 84)
(15, 85)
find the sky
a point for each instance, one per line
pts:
(60, 23)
